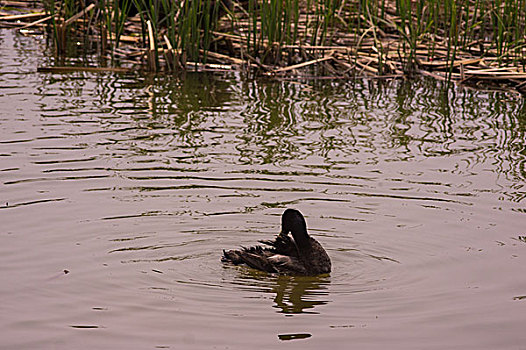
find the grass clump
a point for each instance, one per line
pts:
(447, 39)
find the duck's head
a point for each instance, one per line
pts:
(292, 221)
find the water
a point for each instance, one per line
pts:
(118, 194)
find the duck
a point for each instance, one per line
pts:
(300, 255)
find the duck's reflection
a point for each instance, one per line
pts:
(293, 294)
(298, 294)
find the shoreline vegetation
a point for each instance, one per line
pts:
(477, 42)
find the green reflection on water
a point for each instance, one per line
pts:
(324, 124)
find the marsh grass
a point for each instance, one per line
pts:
(394, 36)
(273, 23)
(489, 28)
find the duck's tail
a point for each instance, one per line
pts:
(231, 256)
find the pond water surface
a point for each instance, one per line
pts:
(119, 192)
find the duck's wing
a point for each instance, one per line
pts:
(265, 260)
(255, 257)
(282, 245)
(287, 265)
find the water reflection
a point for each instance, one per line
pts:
(292, 294)
(275, 122)
(319, 127)
(270, 126)
(296, 294)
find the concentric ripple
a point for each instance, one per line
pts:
(119, 192)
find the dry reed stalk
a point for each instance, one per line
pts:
(443, 64)
(32, 24)
(230, 36)
(487, 70)
(432, 75)
(208, 67)
(66, 69)
(367, 68)
(318, 47)
(151, 52)
(21, 17)
(78, 15)
(172, 55)
(504, 76)
(61, 37)
(222, 57)
(8, 3)
(300, 65)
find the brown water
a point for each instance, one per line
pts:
(118, 194)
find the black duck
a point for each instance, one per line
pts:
(299, 255)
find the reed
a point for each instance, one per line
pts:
(58, 11)
(453, 24)
(148, 12)
(120, 10)
(272, 24)
(50, 8)
(186, 25)
(380, 37)
(114, 14)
